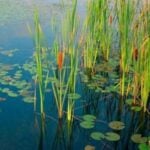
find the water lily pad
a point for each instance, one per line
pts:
(12, 94)
(144, 146)
(136, 108)
(87, 124)
(89, 117)
(89, 147)
(28, 99)
(98, 90)
(111, 136)
(111, 89)
(129, 101)
(97, 135)
(5, 90)
(2, 99)
(137, 138)
(116, 125)
(73, 96)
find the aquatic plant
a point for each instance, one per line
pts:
(39, 57)
(125, 15)
(141, 60)
(70, 49)
(97, 33)
(59, 86)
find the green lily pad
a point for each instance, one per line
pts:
(12, 94)
(87, 124)
(111, 89)
(5, 90)
(129, 101)
(89, 117)
(97, 90)
(89, 147)
(2, 99)
(73, 96)
(136, 108)
(137, 138)
(97, 135)
(144, 146)
(111, 136)
(116, 125)
(28, 99)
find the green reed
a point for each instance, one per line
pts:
(39, 57)
(97, 32)
(125, 15)
(66, 74)
(60, 89)
(141, 85)
(74, 49)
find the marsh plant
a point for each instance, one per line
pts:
(95, 43)
(134, 55)
(141, 59)
(97, 32)
(41, 75)
(125, 15)
(66, 53)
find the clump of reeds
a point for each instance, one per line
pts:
(141, 59)
(97, 32)
(67, 63)
(125, 15)
(41, 78)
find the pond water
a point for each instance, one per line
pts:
(20, 127)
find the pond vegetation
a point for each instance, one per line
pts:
(94, 77)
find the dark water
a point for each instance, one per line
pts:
(20, 127)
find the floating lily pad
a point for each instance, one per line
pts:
(144, 146)
(98, 90)
(89, 147)
(73, 96)
(5, 90)
(111, 89)
(116, 125)
(2, 99)
(111, 136)
(137, 138)
(129, 101)
(87, 124)
(28, 99)
(12, 94)
(89, 117)
(97, 135)
(136, 108)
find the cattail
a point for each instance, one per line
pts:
(60, 59)
(110, 19)
(135, 54)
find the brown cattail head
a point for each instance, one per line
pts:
(110, 19)
(60, 59)
(135, 54)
